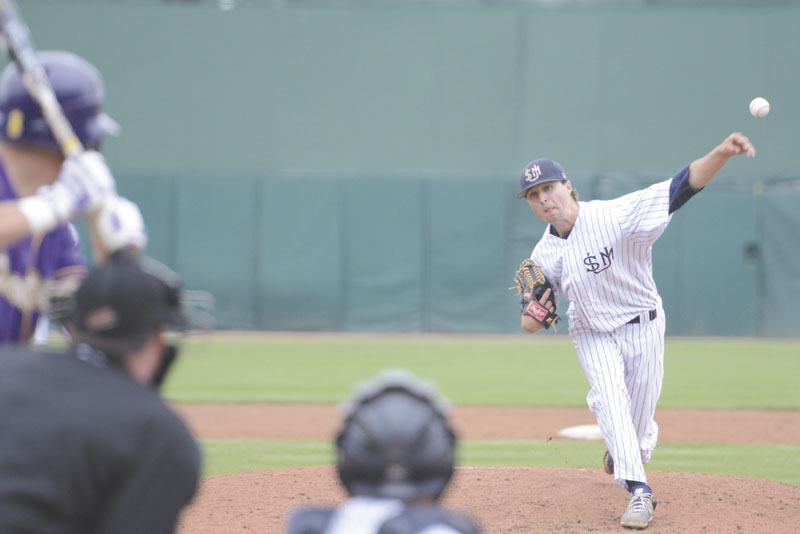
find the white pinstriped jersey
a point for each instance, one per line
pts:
(604, 266)
(363, 515)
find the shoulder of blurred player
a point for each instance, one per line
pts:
(429, 519)
(309, 520)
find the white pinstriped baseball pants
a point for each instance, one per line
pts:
(625, 369)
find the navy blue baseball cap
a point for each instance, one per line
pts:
(540, 171)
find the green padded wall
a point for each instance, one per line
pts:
(353, 166)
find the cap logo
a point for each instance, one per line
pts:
(532, 173)
(102, 319)
(15, 124)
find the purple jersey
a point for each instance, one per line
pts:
(27, 268)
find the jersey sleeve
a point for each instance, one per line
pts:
(70, 253)
(643, 215)
(309, 521)
(680, 191)
(430, 519)
(156, 485)
(60, 252)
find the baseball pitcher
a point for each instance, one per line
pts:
(598, 255)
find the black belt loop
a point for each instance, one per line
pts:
(652, 314)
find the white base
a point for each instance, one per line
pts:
(590, 432)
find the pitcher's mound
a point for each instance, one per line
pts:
(508, 500)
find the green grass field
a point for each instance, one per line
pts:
(502, 370)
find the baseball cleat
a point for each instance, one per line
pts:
(640, 510)
(608, 463)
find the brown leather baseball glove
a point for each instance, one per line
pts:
(531, 284)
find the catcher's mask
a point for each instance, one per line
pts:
(396, 441)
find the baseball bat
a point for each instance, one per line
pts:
(16, 39)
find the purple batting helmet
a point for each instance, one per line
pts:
(79, 89)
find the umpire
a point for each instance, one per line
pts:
(87, 445)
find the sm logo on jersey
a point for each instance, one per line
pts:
(532, 173)
(593, 265)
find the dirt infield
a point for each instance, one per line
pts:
(506, 500)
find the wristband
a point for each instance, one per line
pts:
(39, 212)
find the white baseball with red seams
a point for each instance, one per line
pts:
(759, 107)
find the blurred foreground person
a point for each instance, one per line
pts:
(87, 445)
(396, 455)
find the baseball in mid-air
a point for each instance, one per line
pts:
(759, 107)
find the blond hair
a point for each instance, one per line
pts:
(573, 193)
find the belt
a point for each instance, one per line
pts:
(651, 314)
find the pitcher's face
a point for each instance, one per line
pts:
(552, 202)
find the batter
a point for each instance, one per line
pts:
(598, 255)
(41, 193)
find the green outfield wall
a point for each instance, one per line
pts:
(354, 167)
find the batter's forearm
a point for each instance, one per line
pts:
(13, 224)
(100, 250)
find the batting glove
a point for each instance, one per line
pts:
(84, 181)
(120, 224)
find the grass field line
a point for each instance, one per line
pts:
(543, 337)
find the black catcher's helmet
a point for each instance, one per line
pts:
(396, 441)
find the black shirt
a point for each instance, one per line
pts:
(85, 449)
